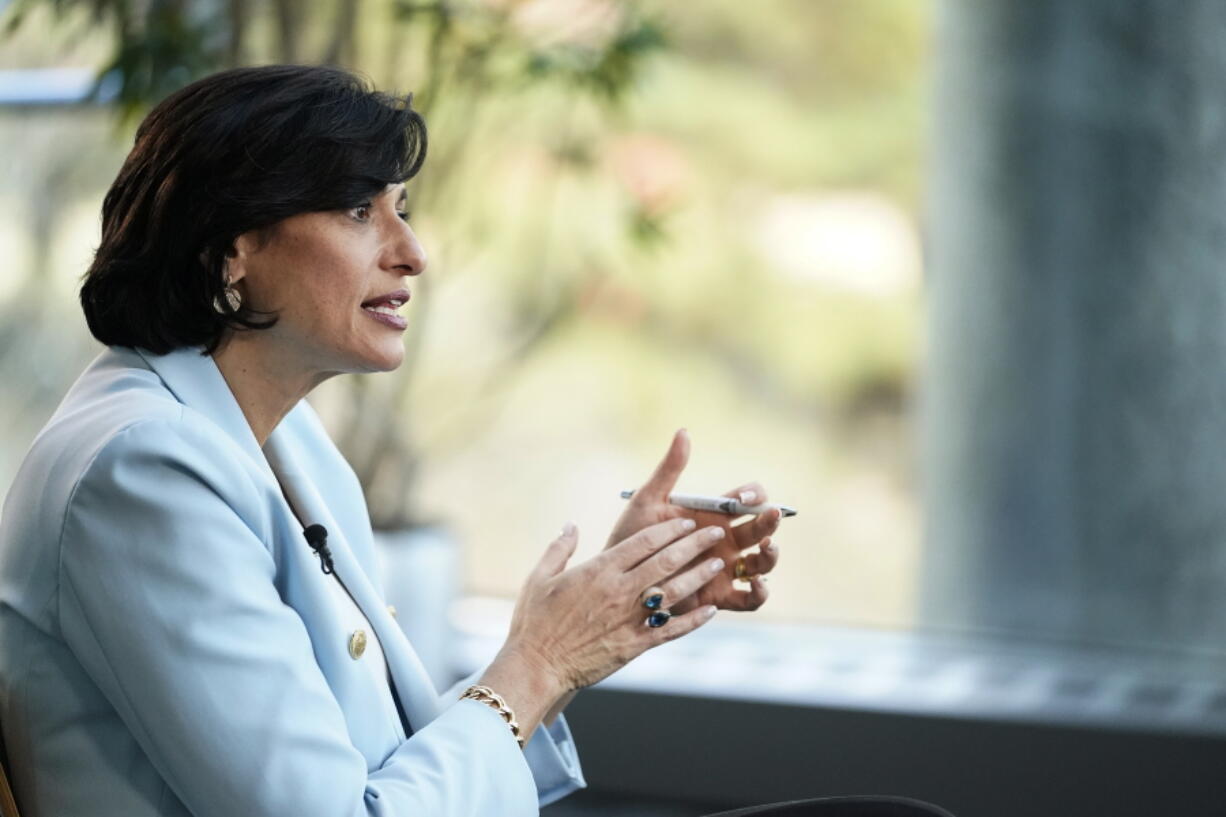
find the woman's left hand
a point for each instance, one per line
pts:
(650, 505)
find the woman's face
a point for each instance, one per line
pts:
(335, 281)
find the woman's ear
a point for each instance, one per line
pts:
(233, 270)
(237, 256)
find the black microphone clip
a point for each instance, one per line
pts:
(317, 538)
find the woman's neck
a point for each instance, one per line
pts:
(266, 384)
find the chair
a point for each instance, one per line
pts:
(8, 805)
(858, 806)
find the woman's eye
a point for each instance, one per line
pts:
(361, 212)
(403, 215)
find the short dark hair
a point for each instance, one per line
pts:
(237, 151)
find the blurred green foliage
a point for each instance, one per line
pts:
(627, 207)
(471, 51)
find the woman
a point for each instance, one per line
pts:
(189, 614)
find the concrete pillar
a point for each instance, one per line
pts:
(1075, 397)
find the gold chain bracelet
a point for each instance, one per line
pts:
(490, 698)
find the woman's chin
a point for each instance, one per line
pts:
(386, 360)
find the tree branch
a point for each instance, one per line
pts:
(289, 26)
(340, 48)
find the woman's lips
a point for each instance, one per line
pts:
(383, 308)
(392, 320)
(396, 298)
(388, 318)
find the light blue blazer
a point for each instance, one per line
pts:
(169, 644)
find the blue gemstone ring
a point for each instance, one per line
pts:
(659, 618)
(653, 598)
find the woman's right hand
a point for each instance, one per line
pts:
(573, 627)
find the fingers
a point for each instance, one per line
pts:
(668, 560)
(746, 600)
(660, 484)
(558, 552)
(752, 531)
(630, 552)
(751, 493)
(678, 626)
(690, 582)
(764, 561)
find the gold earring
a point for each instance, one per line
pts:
(234, 299)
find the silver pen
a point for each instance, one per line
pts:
(719, 504)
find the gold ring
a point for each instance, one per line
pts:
(742, 573)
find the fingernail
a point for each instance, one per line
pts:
(715, 533)
(689, 524)
(748, 497)
(716, 566)
(708, 611)
(568, 529)
(771, 547)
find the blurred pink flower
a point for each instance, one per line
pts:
(588, 23)
(651, 168)
(613, 301)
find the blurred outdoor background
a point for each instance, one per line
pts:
(640, 217)
(945, 275)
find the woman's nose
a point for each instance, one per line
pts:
(405, 252)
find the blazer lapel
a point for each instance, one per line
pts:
(417, 693)
(194, 379)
